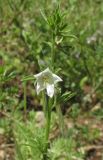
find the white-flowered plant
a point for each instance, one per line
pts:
(46, 80)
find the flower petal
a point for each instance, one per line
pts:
(41, 74)
(40, 86)
(50, 89)
(56, 78)
(47, 70)
(38, 75)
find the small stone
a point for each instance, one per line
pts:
(2, 131)
(40, 119)
(2, 154)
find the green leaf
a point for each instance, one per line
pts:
(1, 69)
(83, 81)
(44, 16)
(28, 78)
(66, 96)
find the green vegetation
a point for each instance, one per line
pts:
(65, 36)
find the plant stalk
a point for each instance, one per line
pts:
(48, 120)
(52, 51)
(61, 118)
(25, 102)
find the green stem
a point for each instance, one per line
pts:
(25, 102)
(86, 65)
(52, 51)
(48, 120)
(61, 118)
(44, 102)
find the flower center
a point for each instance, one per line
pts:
(45, 78)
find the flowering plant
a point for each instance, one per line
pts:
(46, 80)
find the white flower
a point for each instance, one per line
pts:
(46, 80)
